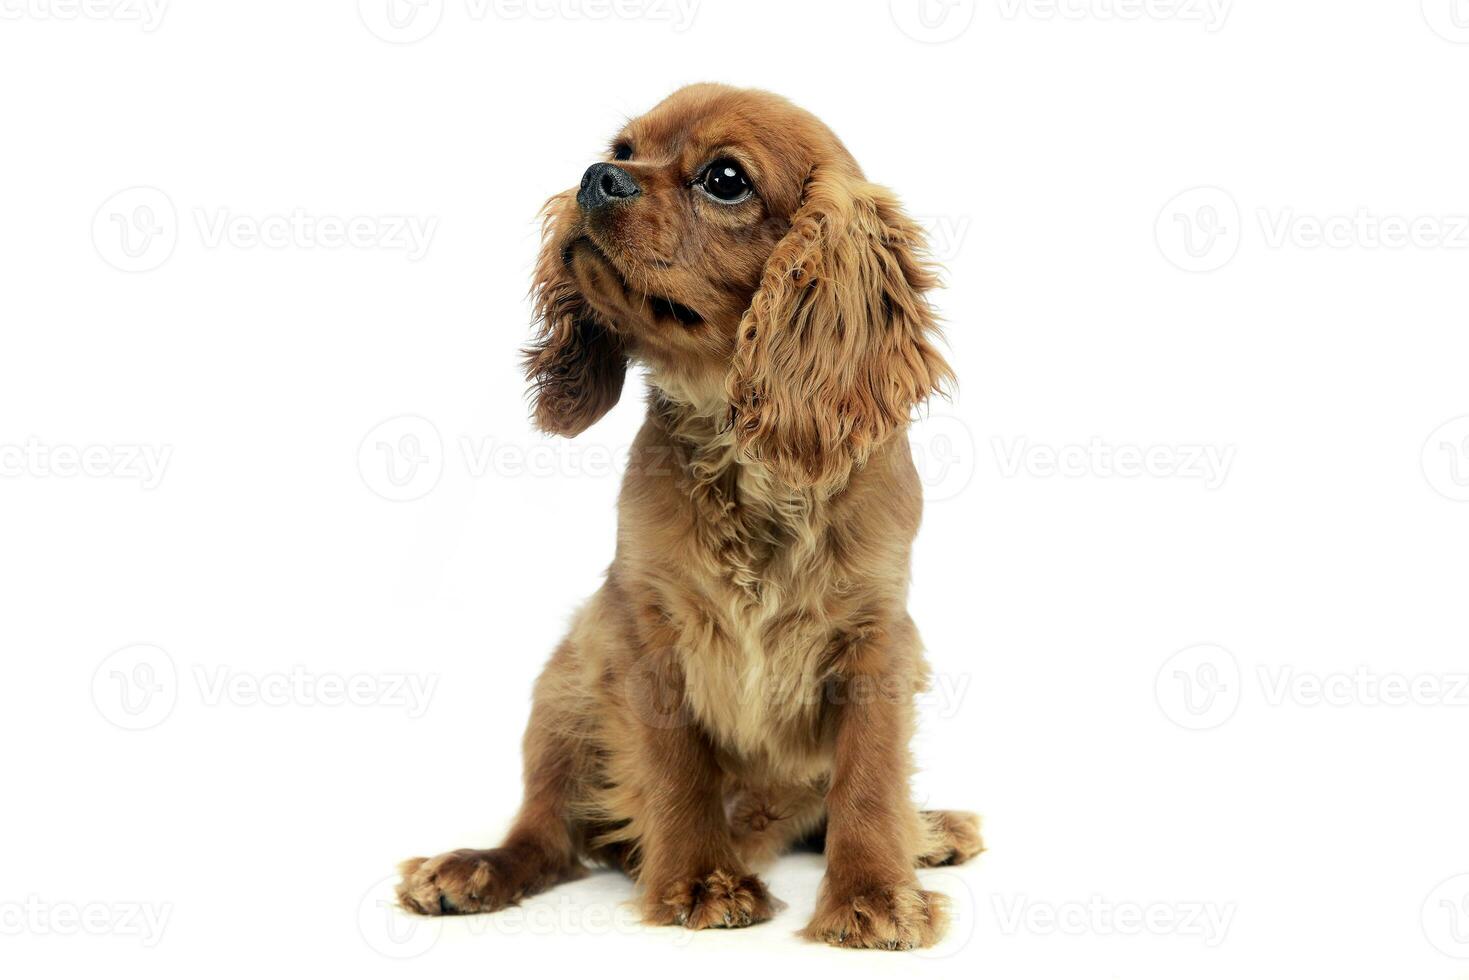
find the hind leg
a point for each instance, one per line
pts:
(541, 848)
(950, 837)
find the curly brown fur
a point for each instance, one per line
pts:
(744, 679)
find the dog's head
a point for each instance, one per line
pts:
(731, 243)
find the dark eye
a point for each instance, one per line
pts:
(622, 152)
(725, 181)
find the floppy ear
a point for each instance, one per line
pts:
(837, 348)
(575, 363)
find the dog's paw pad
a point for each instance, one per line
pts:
(717, 900)
(898, 917)
(954, 838)
(457, 883)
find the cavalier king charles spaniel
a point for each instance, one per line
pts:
(743, 682)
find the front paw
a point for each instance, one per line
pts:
(892, 917)
(716, 900)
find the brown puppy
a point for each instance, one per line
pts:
(744, 679)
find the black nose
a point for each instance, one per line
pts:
(603, 184)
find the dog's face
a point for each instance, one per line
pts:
(729, 241)
(669, 237)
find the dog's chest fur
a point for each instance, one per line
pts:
(766, 609)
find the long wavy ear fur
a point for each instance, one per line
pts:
(575, 364)
(837, 348)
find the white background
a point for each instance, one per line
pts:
(1130, 667)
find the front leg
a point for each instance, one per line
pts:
(690, 873)
(871, 898)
